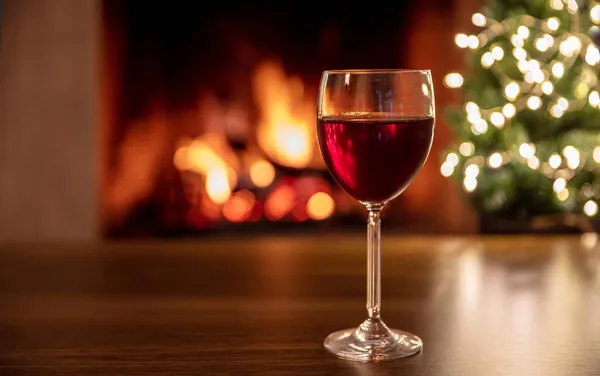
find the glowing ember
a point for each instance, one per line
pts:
(320, 206)
(262, 173)
(286, 130)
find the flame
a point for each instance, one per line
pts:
(286, 129)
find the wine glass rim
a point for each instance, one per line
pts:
(374, 71)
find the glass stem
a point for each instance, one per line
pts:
(374, 262)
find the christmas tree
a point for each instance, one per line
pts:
(528, 140)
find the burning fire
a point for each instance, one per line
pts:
(286, 129)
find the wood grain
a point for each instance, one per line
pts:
(483, 306)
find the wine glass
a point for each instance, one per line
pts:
(375, 130)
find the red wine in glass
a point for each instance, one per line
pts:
(374, 160)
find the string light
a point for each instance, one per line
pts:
(541, 44)
(590, 208)
(572, 6)
(472, 42)
(572, 156)
(563, 195)
(453, 80)
(472, 170)
(533, 163)
(594, 99)
(553, 23)
(466, 149)
(511, 91)
(447, 169)
(556, 4)
(452, 159)
(495, 160)
(559, 185)
(509, 110)
(596, 154)
(497, 119)
(549, 39)
(527, 150)
(557, 111)
(470, 183)
(523, 32)
(547, 87)
(563, 103)
(479, 127)
(555, 161)
(517, 41)
(595, 14)
(592, 55)
(478, 19)
(523, 66)
(497, 53)
(558, 69)
(570, 46)
(487, 60)
(461, 40)
(519, 53)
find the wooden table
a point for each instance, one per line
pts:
(483, 306)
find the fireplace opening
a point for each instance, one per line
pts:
(209, 113)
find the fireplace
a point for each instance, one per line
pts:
(209, 114)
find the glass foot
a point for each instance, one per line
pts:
(372, 341)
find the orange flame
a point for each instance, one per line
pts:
(286, 129)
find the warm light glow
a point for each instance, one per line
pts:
(497, 53)
(553, 23)
(472, 42)
(594, 99)
(470, 183)
(461, 40)
(533, 163)
(511, 91)
(556, 111)
(239, 207)
(472, 170)
(572, 156)
(181, 160)
(280, 202)
(479, 127)
(570, 46)
(516, 40)
(559, 185)
(487, 60)
(447, 169)
(556, 4)
(467, 149)
(563, 195)
(217, 186)
(523, 32)
(547, 87)
(538, 76)
(581, 91)
(534, 102)
(495, 160)
(262, 173)
(527, 150)
(452, 159)
(523, 66)
(572, 6)
(509, 110)
(563, 103)
(519, 53)
(590, 208)
(592, 55)
(471, 107)
(286, 128)
(549, 39)
(497, 119)
(541, 44)
(558, 69)
(555, 161)
(478, 19)
(320, 206)
(595, 14)
(596, 154)
(453, 80)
